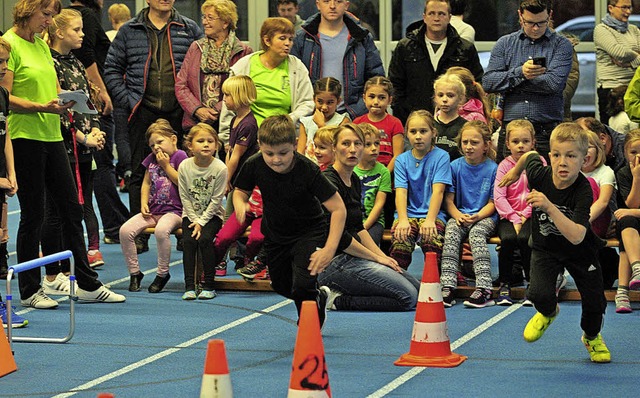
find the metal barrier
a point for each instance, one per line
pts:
(39, 262)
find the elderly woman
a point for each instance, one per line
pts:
(207, 64)
(282, 81)
(361, 277)
(41, 162)
(617, 51)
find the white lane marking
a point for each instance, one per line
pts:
(169, 351)
(400, 380)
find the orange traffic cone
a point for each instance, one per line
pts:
(216, 382)
(309, 377)
(7, 362)
(106, 395)
(430, 338)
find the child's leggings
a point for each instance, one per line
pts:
(453, 238)
(403, 251)
(232, 230)
(164, 225)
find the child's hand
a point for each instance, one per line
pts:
(318, 118)
(539, 200)
(5, 184)
(622, 213)
(14, 185)
(428, 230)
(241, 213)
(635, 167)
(162, 159)
(197, 230)
(402, 231)
(518, 228)
(144, 210)
(509, 178)
(319, 260)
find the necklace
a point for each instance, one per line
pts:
(418, 161)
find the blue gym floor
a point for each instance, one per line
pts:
(154, 345)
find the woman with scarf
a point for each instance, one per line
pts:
(207, 64)
(617, 51)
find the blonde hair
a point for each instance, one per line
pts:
(570, 131)
(119, 13)
(348, 126)
(520, 124)
(60, 22)
(482, 128)
(425, 116)
(601, 156)
(325, 134)
(450, 80)
(5, 45)
(201, 128)
(369, 130)
(473, 89)
(24, 10)
(162, 127)
(631, 137)
(241, 89)
(271, 27)
(226, 10)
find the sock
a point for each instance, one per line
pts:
(623, 291)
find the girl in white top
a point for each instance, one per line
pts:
(326, 96)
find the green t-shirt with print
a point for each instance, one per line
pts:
(372, 181)
(272, 86)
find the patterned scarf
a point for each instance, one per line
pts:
(618, 25)
(215, 67)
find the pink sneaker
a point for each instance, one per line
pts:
(95, 259)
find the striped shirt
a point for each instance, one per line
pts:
(623, 47)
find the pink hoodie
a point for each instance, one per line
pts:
(472, 110)
(511, 201)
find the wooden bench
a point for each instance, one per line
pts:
(224, 283)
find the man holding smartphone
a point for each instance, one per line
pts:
(530, 68)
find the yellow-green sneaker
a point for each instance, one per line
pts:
(537, 325)
(597, 349)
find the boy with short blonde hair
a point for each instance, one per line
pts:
(561, 236)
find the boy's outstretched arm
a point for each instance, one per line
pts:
(514, 174)
(320, 259)
(574, 232)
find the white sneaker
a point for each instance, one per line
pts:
(58, 287)
(40, 301)
(332, 296)
(100, 295)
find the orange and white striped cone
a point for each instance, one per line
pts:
(430, 338)
(309, 377)
(7, 362)
(216, 382)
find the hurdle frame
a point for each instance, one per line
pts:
(39, 262)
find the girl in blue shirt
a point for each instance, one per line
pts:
(469, 202)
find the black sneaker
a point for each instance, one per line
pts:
(142, 244)
(323, 296)
(447, 297)
(179, 245)
(134, 282)
(250, 270)
(158, 283)
(480, 298)
(504, 297)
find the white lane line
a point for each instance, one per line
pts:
(400, 380)
(170, 351)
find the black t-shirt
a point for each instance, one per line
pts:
(291, 202)
(4, 112)
(574, 202)
(351, 198)
(447, 133)
(624, 178)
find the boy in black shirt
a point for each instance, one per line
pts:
(297, 242)
(561, 236)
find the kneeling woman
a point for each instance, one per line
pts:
(361, 277)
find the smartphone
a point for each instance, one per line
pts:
(542, 61)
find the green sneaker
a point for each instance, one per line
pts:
(597, 349)
(537, 325)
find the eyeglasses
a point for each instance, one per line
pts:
(336, 2)
(536, 24)
(209, 18)
(625, 8)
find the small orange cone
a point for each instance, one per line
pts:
(216, 382)
(309, 377)
(7, 362)
(430, 338)
(106, 395)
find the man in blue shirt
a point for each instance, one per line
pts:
(530, 68)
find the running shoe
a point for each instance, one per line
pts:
(16, 320)
(597, 349)
(537, 325)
